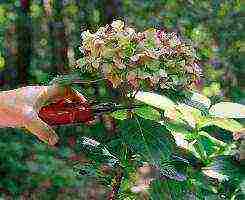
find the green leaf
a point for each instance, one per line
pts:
(146, 138)
(148, 112)
(213, 139)
(183, 114)
(200, 144)
(228, 110)
(224, 169)
(181, 133)
(192, 147)
(64, 80)
(120, 114)
(2, 62)
(155, 100)
(176, 127)
(200, 149)
(97, 151)
(227, 124)
(96, 16)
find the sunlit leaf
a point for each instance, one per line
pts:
(2, 62)
(187, 115)
(180, 140)
(197, 97)
(120, 114)
(172, 113)
(180, 134)
(194, 150)
(199, 102)
(183, 114)
(228, 110)
(148, 112)
(156, 100)
(216, 175)
(176, 127)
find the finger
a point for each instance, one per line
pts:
(55, 93)
(42, 130)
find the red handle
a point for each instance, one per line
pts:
(63, 112)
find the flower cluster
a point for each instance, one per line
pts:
(121, 54)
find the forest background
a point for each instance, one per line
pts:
(40, 40)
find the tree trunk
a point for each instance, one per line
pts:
(23, 42)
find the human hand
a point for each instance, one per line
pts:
(19, 108)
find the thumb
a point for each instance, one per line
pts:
(42, 130)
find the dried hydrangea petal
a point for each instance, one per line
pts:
(118, 25)
(150, 52)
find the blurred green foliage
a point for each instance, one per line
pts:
(30, 169)
(215, 29)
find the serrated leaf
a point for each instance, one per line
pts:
(155, 100)
(120, 114)
(228, 110)
(148, 112)
(146, 138)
